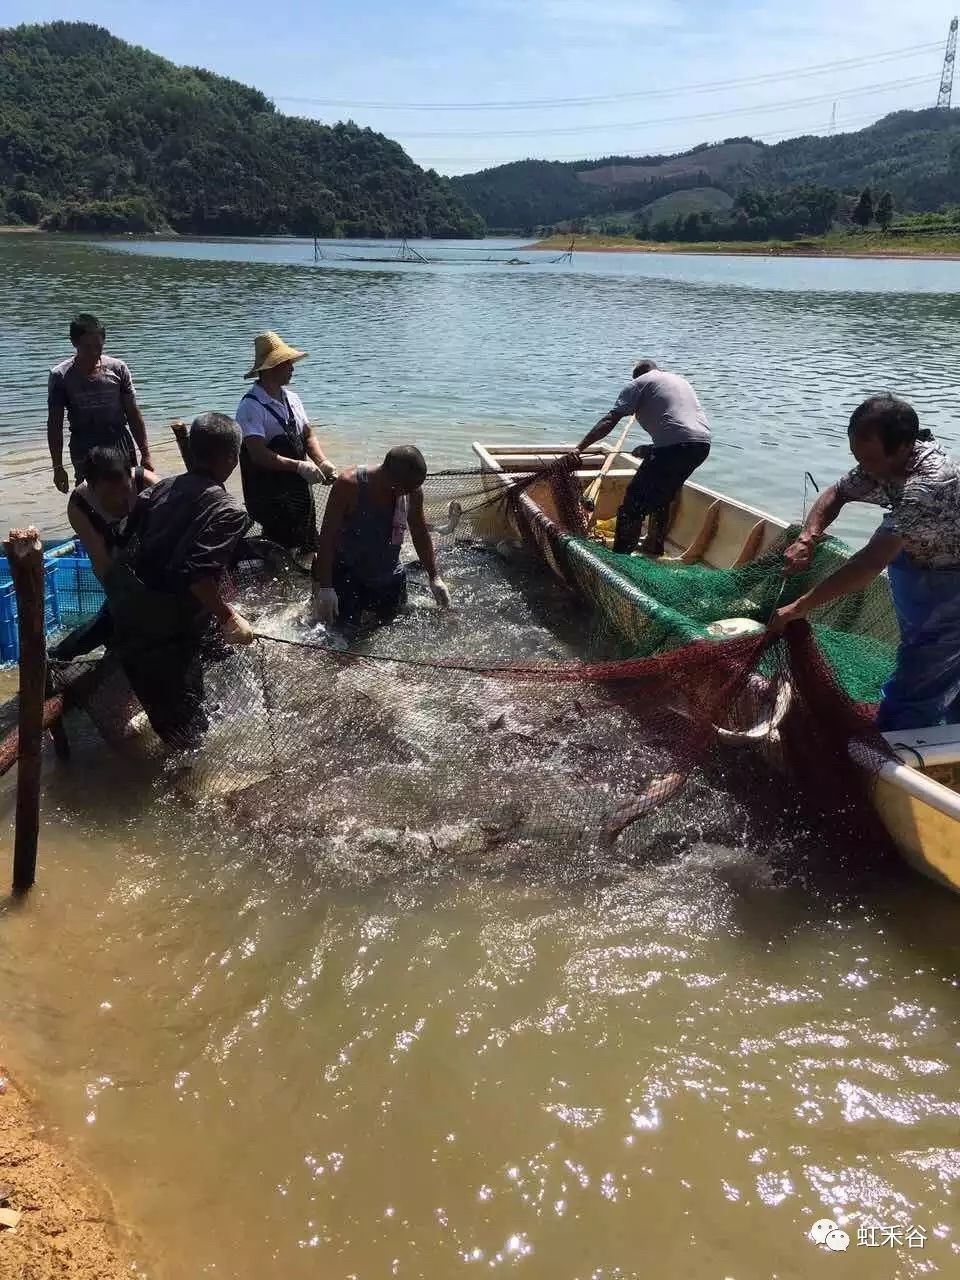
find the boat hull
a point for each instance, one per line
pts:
(918, 800)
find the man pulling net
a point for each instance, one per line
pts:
(918, 542)
(281, 458)
(357, 567)
(668, 409)
(164, 590)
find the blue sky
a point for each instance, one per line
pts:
(440, 52)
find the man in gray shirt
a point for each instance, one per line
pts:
(667, 408)
(96, 393)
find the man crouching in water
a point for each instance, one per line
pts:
(357, 566)
(164, 589)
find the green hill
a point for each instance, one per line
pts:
(678, 203)
(913, 154)
(96, 134)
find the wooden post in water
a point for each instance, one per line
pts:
(25, 555)
(181, 434)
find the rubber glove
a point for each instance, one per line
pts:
(441, 592)
(329, 472)
(324, 605)
(310, 472)
(236, 629)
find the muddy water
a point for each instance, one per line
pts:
(365, 1054)
(366, 1057)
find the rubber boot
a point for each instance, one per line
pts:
(627, 533)
(653, 543)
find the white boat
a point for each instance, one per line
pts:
(916, 796)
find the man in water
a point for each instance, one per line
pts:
(281, 457)
(98, 511)
(357, 567)
(97, 394)
(164, 589)
(667, 408)
(917, 542)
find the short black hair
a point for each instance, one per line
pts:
(83, 324)
(644, 366)
(890, 419)
(105, 463)
(213, 437)
(406, 464)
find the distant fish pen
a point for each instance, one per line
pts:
(327, 251)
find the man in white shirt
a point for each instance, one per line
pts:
(668, 409)
(281, 458)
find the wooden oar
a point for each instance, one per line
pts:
(590, 497)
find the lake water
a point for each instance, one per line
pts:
(348, 1058)
(780, 349)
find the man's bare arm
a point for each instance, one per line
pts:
(824, 511)
(207, 591)
(138, 427)
(338, 504)
(312, 446)
(92, 541)
(420, 534)
(603, 428)
(262, 456)
(859, 571)
(55, 444)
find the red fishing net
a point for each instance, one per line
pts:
(524, 717)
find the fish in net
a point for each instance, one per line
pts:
(534, 714)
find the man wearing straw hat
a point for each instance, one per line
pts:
(281, 458)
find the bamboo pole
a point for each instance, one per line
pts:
(25, 555)
(181, 434)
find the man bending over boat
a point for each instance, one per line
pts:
(668, 409)
(164, 588)
(357, 567)
(918, 543)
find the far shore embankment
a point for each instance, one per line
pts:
(945, 248)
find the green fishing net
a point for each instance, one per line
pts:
(660, 604)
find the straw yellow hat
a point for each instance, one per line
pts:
(269, 350)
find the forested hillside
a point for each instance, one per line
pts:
(915, 155)
(96, 134)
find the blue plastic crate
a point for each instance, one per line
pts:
(77, 589)
(9, 630)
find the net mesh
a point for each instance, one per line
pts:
(532, 714)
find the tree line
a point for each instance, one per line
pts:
(913, 155)
(768, 214)
(98, 135)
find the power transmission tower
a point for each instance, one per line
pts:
(949, 57)
(833, 121)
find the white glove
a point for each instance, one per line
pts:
(441, 593)
(324, 605)
(329, 472)
(236, 629)
(310, 472)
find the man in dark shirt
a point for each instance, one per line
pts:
(96, 393)
(164, 590)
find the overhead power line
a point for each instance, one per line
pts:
(759, 108)
(797, 131)
(520, 104)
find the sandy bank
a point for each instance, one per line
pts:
(67, 1228)
(744, 250)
